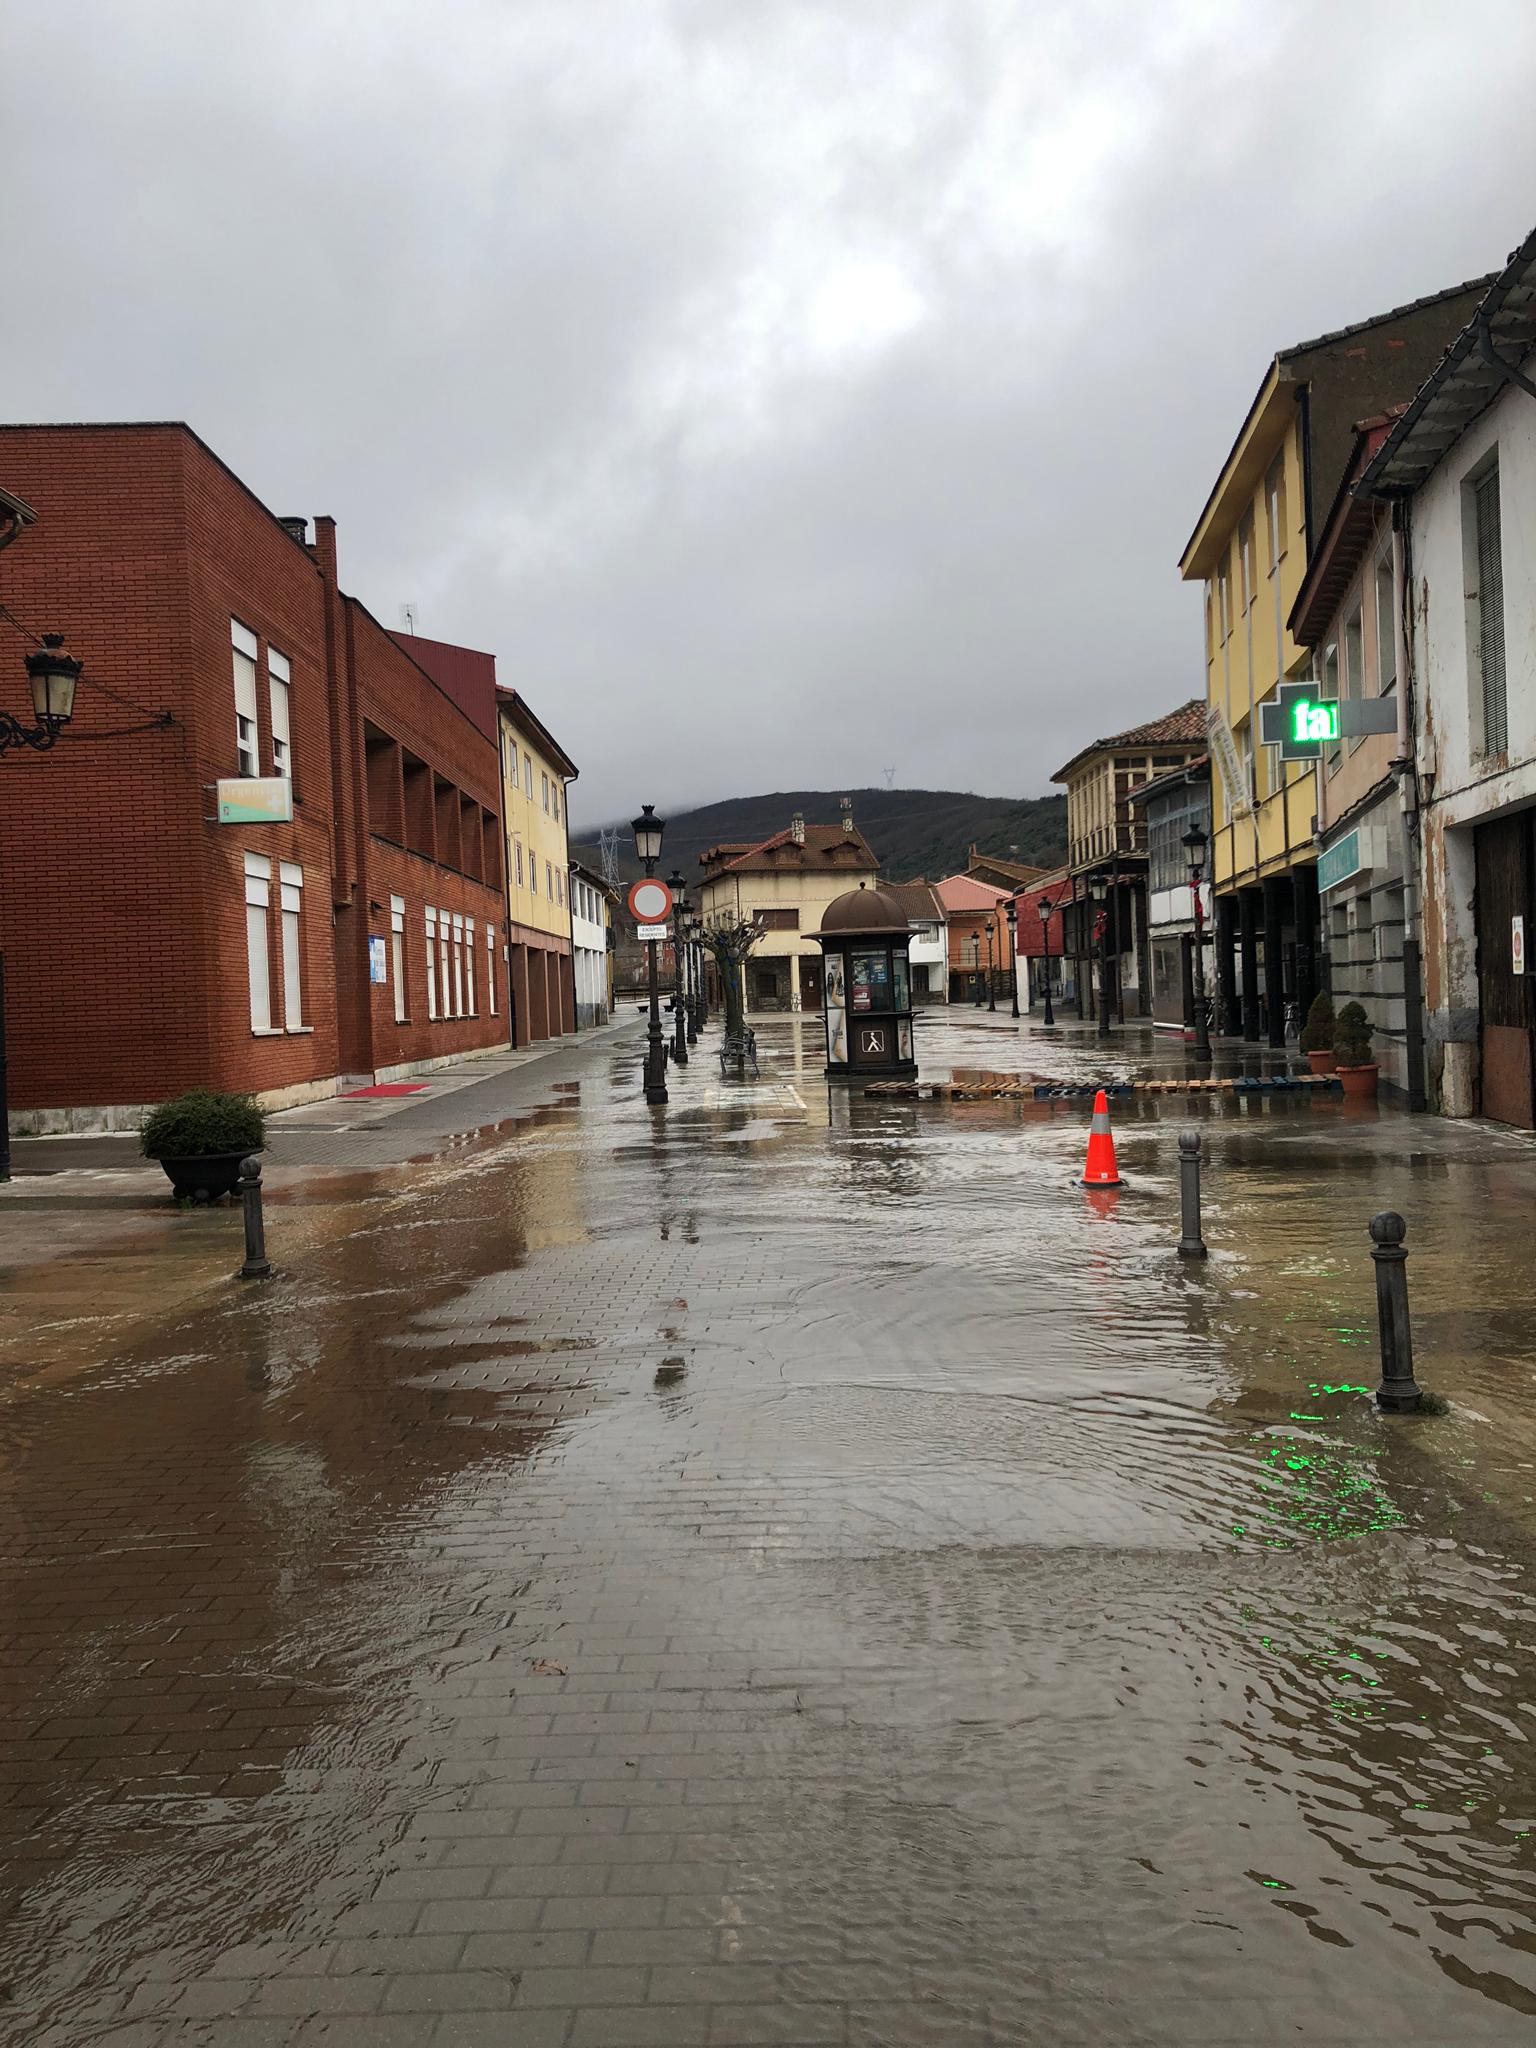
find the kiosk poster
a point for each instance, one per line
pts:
(835, 1006)
(871, 981)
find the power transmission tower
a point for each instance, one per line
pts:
(890, 777)
(608, 856)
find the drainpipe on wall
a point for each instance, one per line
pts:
(1408, 803)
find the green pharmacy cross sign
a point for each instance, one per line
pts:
(1299, 722)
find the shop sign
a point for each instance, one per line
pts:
(1517, 944)
(1224, 751)
(1299, 722)
(1338, 862)
(378, 970)
(254, 800)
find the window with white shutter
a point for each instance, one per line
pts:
(244, 649)
(278, 679)
(291, 881)
(258, 897)
(397, 954)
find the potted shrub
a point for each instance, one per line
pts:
(1317, 1034)
(200, 1139)
(1352, 1051)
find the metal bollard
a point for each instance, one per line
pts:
(257, 1265)
(1191, 1243)
(1399, 1392)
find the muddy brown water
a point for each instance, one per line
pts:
(875, 1583)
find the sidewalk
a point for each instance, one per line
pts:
(117, 1153)
(91, 1243)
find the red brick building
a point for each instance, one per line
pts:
(151, 948)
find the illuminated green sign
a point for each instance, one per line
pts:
(1314, 721)
(1299, 722)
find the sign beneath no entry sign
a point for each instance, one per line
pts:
(650, 901)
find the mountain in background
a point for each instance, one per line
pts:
(925, 833)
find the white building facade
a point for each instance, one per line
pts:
(590, 910)
(929, 954)
(1461, 466)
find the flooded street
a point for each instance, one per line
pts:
(780, 1570)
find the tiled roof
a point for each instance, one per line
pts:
(1196, 769)
(986, 864)
(964, 892)
(1182, 728)
(918, 900)
(1451, 291)
(1470, 375)
(821, 845)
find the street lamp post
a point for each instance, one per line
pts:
(976, 964)
(1046, 908)
(648, 829)
(1098, 889)
(679, 888)
(1013, 951)
(691, 974)
(700, 975)
(1194, 846)
(52, 674)
(991, 970)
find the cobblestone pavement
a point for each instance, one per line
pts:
(788, 1570)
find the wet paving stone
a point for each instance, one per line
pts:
(792, 1570)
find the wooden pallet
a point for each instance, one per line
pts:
(1044, 1091)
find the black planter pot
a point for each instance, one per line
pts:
(204, 1178)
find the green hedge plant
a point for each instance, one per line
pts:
(201, 1123)
(1352, 1037)
(1317, 1033)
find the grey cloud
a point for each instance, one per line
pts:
(782, 390)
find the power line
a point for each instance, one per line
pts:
(156, 718)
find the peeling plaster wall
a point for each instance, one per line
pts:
(1468, 786)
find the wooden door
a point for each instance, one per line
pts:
(1506, 871)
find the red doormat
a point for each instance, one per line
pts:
(386, 1088)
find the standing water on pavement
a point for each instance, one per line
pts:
(788, 1568)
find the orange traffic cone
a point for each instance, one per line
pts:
(1101, 1170)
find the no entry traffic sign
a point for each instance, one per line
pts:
(650, 901)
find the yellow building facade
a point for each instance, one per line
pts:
(535, 775)
(784, 886)
(1249, 553)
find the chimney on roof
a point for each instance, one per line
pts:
(847, 807)
(298, 527)
(797, 828)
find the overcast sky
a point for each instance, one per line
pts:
(785, 390)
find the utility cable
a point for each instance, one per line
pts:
(156, 718)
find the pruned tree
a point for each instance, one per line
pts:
(730, 940)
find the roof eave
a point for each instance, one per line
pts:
(1419, 442)
(518, 708)
(1218, 514)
